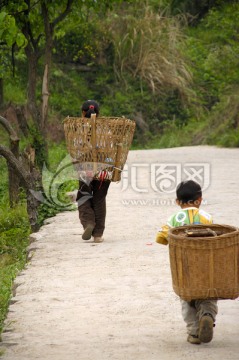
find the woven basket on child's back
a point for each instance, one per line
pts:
(205, 267)
(104, 140)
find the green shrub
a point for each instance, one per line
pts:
(13, 218)
(14, 233)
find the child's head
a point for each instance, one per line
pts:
(189, 193)
(90, 107)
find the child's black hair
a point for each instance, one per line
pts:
(188, 191)
(90, 107)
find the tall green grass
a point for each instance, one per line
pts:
(14, 232)
(15, 228)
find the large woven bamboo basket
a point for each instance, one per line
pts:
(103, 140)
(205, 267)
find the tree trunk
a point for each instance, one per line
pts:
(32, 58)
(22, 121)
(49, 31)
(29, 182)
(45, 98)
(39, 142)
(13, 179)
(32, 211)
(49, 34)
(1, 92)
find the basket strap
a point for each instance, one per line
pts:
(93, 140)
(117, 162)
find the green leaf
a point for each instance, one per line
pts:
(21, 40)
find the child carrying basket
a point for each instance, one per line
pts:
(196, 248)
(98, 148)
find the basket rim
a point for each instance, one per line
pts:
(234, 232)
(98, 118)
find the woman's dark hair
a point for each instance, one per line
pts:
(90, 107)
(188, 191)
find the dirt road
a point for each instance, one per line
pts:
(77, 300)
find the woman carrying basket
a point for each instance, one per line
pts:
(91, 196)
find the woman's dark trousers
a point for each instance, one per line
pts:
(91, 201)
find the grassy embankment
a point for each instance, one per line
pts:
(15, 229)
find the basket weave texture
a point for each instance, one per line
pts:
(205, 267)
(100, 140)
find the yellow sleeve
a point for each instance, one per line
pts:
(161, 237)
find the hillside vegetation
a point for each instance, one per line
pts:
(176, 74)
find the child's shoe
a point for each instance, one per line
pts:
(98, 239)
(87, 232)
(193, 339)
(206, 324)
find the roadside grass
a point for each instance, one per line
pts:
(15, 228)
(14, 233)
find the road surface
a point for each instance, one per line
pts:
(77, 300)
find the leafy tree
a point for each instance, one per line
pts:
(10, 36)
(213, 53)
(197, 9)
(39, 21)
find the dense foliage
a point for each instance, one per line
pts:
(145, 62)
